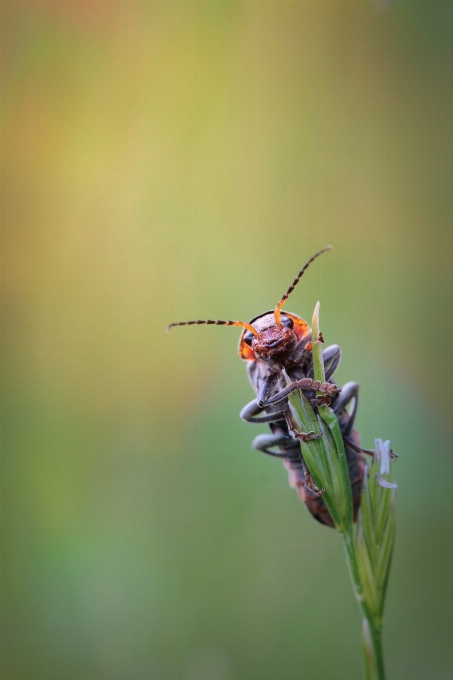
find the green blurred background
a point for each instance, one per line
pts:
(165, 161)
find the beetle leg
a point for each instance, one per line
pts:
(369, 452)
(308, 436)
(267, 388)
(302, 436)
(251, 410)
(321, 400)
(331, 357)
(263, 442)
(300, 351)
(309, 480)
(358, 449)
(304, 384)
(350, 391)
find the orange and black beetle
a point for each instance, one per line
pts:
(277, 345)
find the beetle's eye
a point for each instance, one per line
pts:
(248, 337)
(286, 321)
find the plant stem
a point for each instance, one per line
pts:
(371, 626)
(371, 629)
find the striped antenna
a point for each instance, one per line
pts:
(216, 323)
(294, 284)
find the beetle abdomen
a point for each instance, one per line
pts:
(314, 503)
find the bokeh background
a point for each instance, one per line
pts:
(165, 161)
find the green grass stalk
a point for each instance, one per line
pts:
(371, 630)
(369, 544)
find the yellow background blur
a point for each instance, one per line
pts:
(165, 161)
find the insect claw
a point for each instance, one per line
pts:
(315, 489)
(328, 388)
(313, 436)
(322, 400)
(308, 436)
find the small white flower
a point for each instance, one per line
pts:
(382, 453)
(384, 482)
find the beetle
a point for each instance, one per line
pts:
(277, 348)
